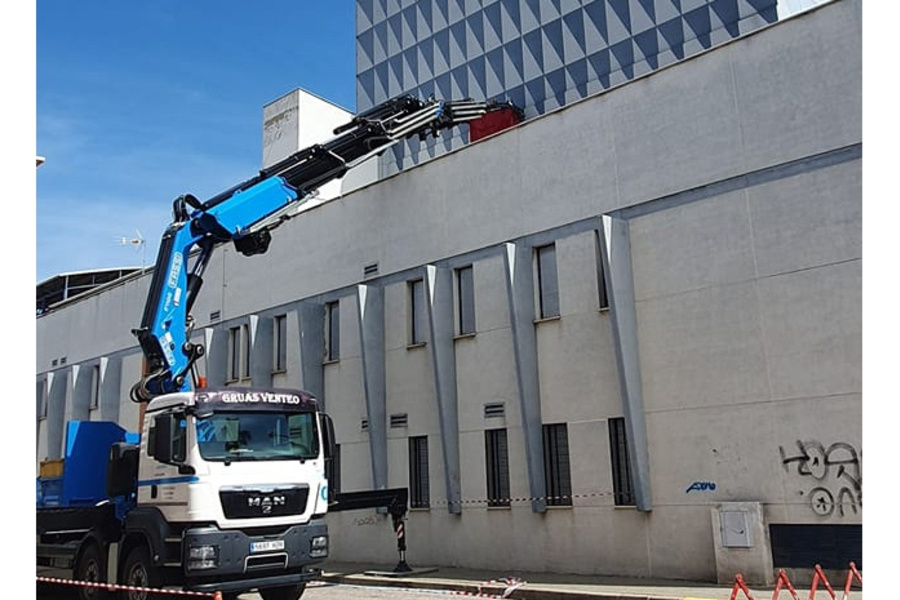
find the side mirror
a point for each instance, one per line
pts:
(330, 451)
(122, 470)
(328, 436)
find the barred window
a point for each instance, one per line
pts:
(418, 472)
(556, 465)
(497, 467)
(623, 488)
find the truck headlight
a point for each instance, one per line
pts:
(202, 557)
(318, 546)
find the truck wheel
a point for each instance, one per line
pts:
(90, 569)
(285, 592)
(138, 572)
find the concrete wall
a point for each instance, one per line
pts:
(736, 177)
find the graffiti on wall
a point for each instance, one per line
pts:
(701, 486)
(833, 474)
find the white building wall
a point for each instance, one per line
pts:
(738, 173)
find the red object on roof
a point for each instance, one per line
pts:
(494, 121)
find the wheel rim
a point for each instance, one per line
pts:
(137, 577)
(90, 574)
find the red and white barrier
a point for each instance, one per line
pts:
(851, 575)
(784, 583)
(116, 587)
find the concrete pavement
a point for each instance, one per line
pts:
(548, 586)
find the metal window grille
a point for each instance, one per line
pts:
(623, 488)
(417, 311)
(465, 286)
(494, 409)
(548, 284)
(556, 465)
(333, 330)
(280, 354)
(497, 467)
(419, 494)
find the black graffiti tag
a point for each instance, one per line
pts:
(817, 462)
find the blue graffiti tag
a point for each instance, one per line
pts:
(701, 486)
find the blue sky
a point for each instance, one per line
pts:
(137, 103)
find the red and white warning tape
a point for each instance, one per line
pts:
(113, 586)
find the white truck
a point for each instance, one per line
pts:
(225, 492)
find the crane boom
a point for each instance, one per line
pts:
(246, 213)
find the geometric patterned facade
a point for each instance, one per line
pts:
(540, 54)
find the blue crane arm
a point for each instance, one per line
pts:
(245, 214)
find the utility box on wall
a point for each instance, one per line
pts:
(742, 543)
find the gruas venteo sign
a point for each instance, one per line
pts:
(255, 399)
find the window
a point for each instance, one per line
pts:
(238, 352)
(245, 351)
(333, 331)
(418, 472)
(416, 312)
(497, 467)
(234, 353)
(623, 490)
(556, 465)
(257, 436)
(548, 285)
(465, 288)
(280, 351)
(42, 398)
(601, 271)
(95, 387)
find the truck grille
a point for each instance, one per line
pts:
(249, 503)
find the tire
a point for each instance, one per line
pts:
(285, 592)
(91, 568)
(138, 571)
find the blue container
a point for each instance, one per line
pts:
(83, 481)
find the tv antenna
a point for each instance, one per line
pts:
(138, 241)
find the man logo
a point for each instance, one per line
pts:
(265, 503)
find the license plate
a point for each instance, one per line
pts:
(267, 546)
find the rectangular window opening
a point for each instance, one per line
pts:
(419, 494)
(556, 465)
(465, 289)
(497, 467)
(280, 350)
(333, 331)
(234, 353)
(547, 281)
(623, 489)
(417, 316)
(95, 387)
(245, 351)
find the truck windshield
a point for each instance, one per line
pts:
(258, 436)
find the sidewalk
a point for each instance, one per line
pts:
(548, 586)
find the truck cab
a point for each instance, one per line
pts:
(226, 491)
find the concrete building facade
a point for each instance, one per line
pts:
(539, 55)
(623, 337)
